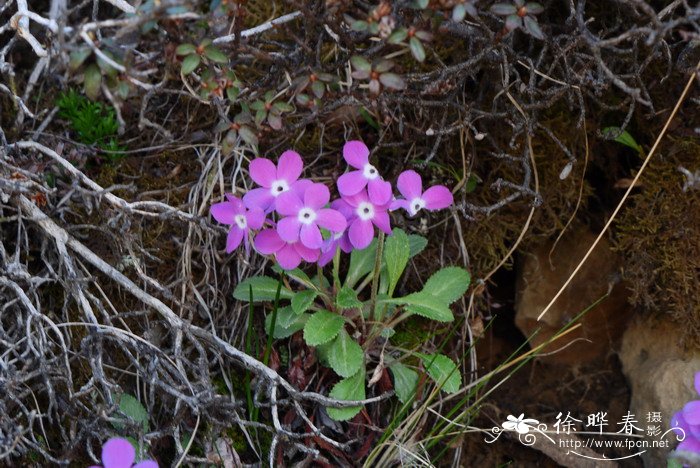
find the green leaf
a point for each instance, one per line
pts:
(368, 118)
(392, 81)
(417, 48)
(443, 371)
(405, 381)
(624, 138)
(264, 289)
(322, 327)
(361, 263)
(360, 63)
(448, 284)
(303, 300)
(215, 55)
(350, 389)
(185, 49)
(93, 80)
(347, 299)
(425, 305)
(249, 136)
(77, 57)
(396, 254)
(133, 408)
(398, 36)
(190, 63)
(359, 26)
(416, 244)
(287, 324)
(345, 355)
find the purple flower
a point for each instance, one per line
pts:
(241, 219)
(273, 180)
(356, 154)
(330, 246)
(365, 211)
(686, 422)
(288, 254)
(304, 216)
(415, 199)
(119, 453)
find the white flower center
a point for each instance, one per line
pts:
(365, 211)
(416, 205)
(240, 221)
(306, 216)
(370, 172)
(279, 186)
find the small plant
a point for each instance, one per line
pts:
(377, 73)
(349, 320)
(93, 123)
(521, 15)
(193, 55)
(95, 71)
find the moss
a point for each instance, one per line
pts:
(658, 234)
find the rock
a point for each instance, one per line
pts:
(660, 372)
(540, 278)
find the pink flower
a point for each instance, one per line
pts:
(415, 199)
(273, 180)
(241, 219)
(288, 254)
(119, 453)
(356, 154)
(303, 218)
(365, 211)
(330, 246)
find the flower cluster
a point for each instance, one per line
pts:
(686, 423)
(294, 219)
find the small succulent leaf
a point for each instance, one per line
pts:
(249, 136)
(93, 81)
(405, 381)
(344, 354)
(513, 22)
(190, 63)
(77, 57)
(503, 9)
(424, 36)
(443, 371)
(185, 49)
(282, 107)
(417, 49)
(264, 289)
(459, 12)
(359, 26)
(275, 120)
(534, 8)
(392, 81)
(303, 300)
(398, 36)
(360, 63)
(318, 88)
(215, 55)
(533, 27)
(322, 327)
(382, 65)
(349, 389)
(232, 93)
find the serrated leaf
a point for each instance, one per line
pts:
(405, 381)
(344, 355)
(93, 81)
(396, 255)
(215, 55)
(361, 263)
(190, 63)
(287, 323)
(417, 49)
(350, 389)
(133, 408)
(303, 300)
(185, 49)
(322, 327)
(426, 306)
(443, 371)
(416, 244)
(448, 284)
(624, 138)
(264, 289)
(347, 299)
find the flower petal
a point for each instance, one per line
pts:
(356, 154)
(259, 198)
(343, 208)
(234, 238)
(310, 236)
(437, 197)
(317, 196)
(690, 444)
(379, 192)
(288, 229)
(697, 382)
(410, 185)
(300, 187)
(381, 220)
(325, 257)
(237, 202)
(361, 233)
(146, 464)
(678, 421)
(118, 453)
(288, 203)
(399, 203)
(223, 212)
(310, 255)
(331, 219)
(268, 242)
(345, 244)
(351, 183)
(691, 412)
(263, 172)
(290, 166)
(288, 257)
(255, 218)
